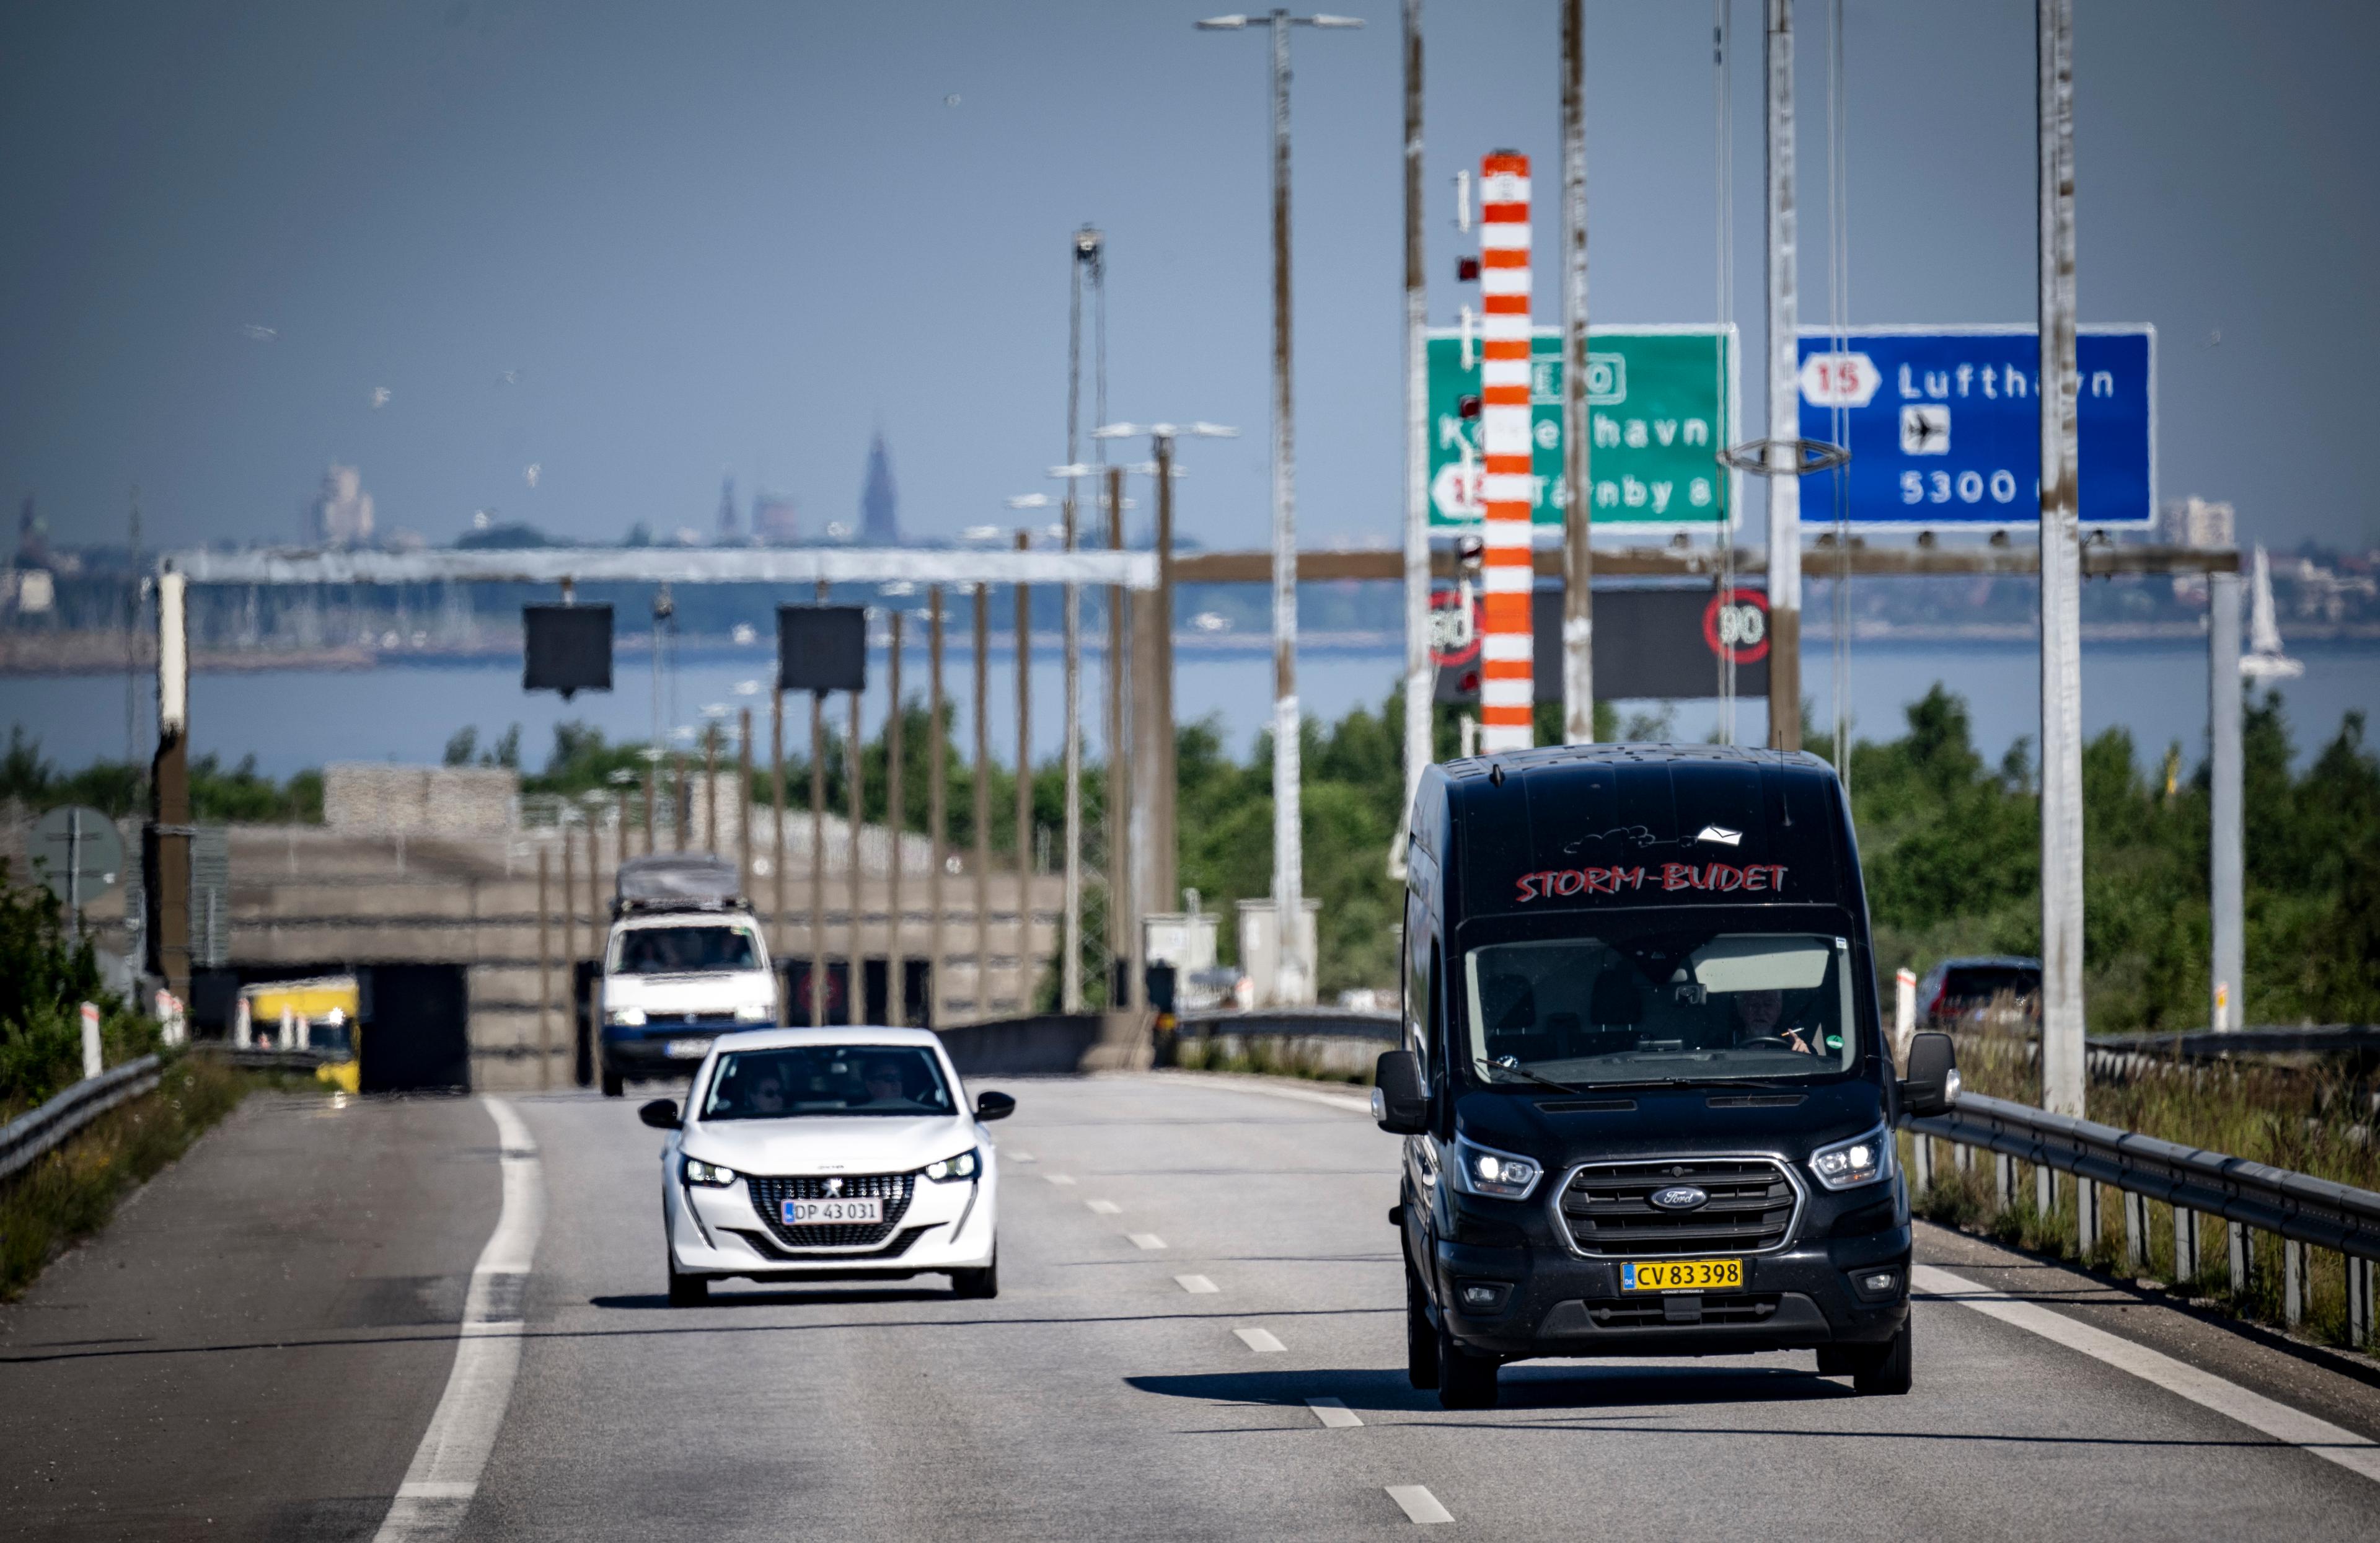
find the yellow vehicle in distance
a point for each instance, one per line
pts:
(320, 1014)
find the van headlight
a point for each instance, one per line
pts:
(1861, 1159)
(967, 1165)
(627, 1017)
(1477, 1170)
(752, 1012)
(710, 1173)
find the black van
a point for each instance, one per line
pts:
(1647, 1101)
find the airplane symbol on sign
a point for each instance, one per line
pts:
(1925, 428)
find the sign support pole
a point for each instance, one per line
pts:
(2227, 1006)
(1578, 487)
(1507, 644)
(937, 803)
(1419, 673)
(1123, 917)
(896, 999)
(168, 870)
(1024, 788)
(1784, 398)
(983, 810)
(2062, 659)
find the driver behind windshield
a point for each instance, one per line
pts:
(1755, 1018)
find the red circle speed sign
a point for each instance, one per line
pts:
(1735, 625)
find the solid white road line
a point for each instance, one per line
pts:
(438, 1487)
(1418, 1503)
(1060, 1178)
(2292, 1426)
(1261, 1340)
(1102, 1208)
(1197, 1285)
(1146, 1240)
(1333, 1414)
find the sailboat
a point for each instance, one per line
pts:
(2263, 660)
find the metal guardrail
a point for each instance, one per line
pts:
(30, 1135)
(2296, 1206)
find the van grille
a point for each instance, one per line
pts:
(1608, 1208)
(894, 1189)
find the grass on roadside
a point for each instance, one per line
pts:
(70, 1192)
(2301, 1120)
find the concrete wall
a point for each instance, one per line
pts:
(368, 798)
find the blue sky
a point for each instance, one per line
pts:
(642, 246)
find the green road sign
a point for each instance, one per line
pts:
(1661, 402)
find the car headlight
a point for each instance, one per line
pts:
(632, 1017)
(1861, 1159)
(752, 1012)
(967, 1165)
(1477, 1170)
(710, 1173)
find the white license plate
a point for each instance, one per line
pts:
(687, 1049)
(830, 1213)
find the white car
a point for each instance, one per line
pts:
(837, 1153)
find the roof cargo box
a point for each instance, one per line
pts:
(677, 882)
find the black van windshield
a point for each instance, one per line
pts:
(1661, 1007)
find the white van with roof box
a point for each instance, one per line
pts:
(684, 963)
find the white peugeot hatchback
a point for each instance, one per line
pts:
(840, 1153)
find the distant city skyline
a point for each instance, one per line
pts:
(568, 264)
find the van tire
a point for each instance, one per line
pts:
(613, 1083)
(1886, 1369)
(688, 1291)
(1465, 1380)
(1421, 1337)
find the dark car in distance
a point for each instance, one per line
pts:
(1960, 990)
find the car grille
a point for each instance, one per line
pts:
(1637, 1312)
(656, 1022)
(764, 1246)
(894, 1189)
(1608, 1208)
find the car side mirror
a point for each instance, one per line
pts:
(661, 1114)
(1932, 1084)
(1400, 1102)
(994, 1106)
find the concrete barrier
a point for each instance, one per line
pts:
(1045, 1044)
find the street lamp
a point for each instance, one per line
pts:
(1295, 972)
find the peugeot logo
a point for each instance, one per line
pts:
(1683, 1197)
(834, 1186)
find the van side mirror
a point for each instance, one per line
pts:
(994, 1106)
(1400, 1102)
(661, 1114)
(1932, 1084)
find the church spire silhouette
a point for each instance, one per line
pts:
(880, 518)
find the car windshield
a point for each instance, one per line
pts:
(1657, 1007)
(680, 950)
(827, 1080)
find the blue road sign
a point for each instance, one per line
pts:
(1944, 425)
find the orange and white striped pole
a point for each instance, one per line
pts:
(1507, 689)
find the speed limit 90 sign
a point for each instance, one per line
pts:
(1735, 625)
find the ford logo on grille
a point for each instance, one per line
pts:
(1683, 1197)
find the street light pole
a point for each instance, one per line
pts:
(1784, 398)
(1578, 512)
(1418, 667)
(1294, 980)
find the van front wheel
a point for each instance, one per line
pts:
(1465, 1380)
(1421, 1337)
(1886, 1368)
(613, 1083)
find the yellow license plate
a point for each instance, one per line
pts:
(1681, 1275)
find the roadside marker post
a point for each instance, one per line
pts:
(90, 1067)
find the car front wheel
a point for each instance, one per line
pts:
(979, 1284)
(687, 1291)
(1465, 1380)
(1886, 1368)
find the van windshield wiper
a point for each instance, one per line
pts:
(1699, 1082)
(1520, 1071)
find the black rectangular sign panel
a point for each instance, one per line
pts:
(569, 648)
(1648, 643)
(821, 648)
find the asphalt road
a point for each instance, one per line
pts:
(256, 1348)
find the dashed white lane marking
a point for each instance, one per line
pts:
(1197, 1285)
(1146, 1240)
(2282, 1423)
(1102, 1208)
(438, 1487)
(1340, 1101)
(1060, 1178)
(1334, 1414)
(1022, 1157)
(1418, 1505)
(1261, 1340)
